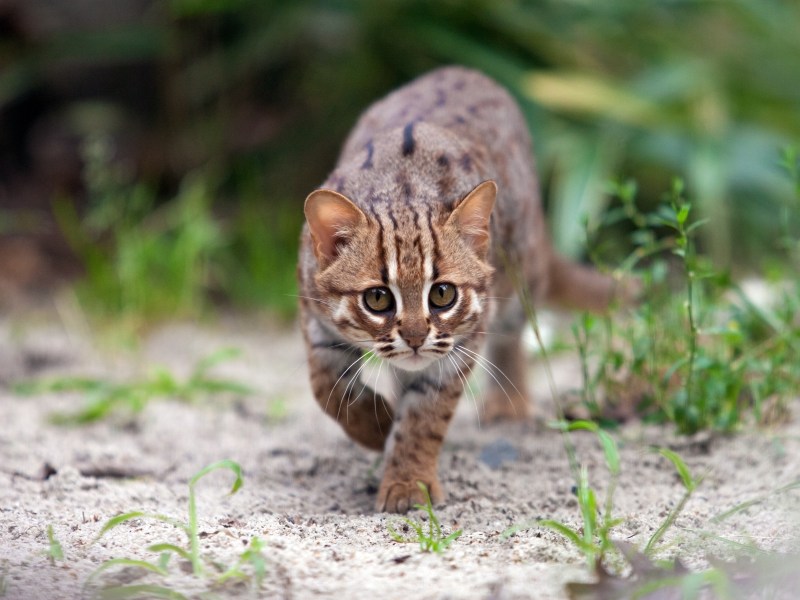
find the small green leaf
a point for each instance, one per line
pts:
(170, 548)
(688, 482)
(683, 214)
(119, 519)
(568, 533)
(232, 466)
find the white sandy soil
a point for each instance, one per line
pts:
(309, 491)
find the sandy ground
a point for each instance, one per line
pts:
(308, 491)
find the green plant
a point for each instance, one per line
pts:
(105, 397)
(54, 551)
(252, 555)
(697, 352)
(144, 260)
(593, 537)
(432, 541)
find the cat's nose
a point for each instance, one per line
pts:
(414, 339)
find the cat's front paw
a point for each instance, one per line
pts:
(399, 496)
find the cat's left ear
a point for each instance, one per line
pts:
(332, 219)
(471, 216)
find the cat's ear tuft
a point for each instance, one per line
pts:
(471, 216)
(332, 219)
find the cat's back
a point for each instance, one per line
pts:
(462, 101)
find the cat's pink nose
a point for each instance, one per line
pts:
(414, 339)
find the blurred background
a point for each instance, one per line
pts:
(155, 153)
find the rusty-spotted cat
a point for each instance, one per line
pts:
(411, 251)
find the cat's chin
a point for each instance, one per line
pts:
(412, 363)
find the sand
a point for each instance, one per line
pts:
(308, 491)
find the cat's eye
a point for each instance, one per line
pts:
(378, 299)
(442, 295)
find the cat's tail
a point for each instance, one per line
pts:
(580, 287)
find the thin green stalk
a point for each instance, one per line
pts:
(194, 538)
(530, 310)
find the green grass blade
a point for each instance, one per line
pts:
(568, 533)
(230, 465)
(688, 481)
(137, 514)
(610, 449)
(60, 384)
(139, 591)
(753, 502)
(451, 538)
(517, 528)
(194, 539)
(54, 551)
(170, 548)
(125, 562)
(212, 360)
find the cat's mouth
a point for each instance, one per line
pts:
(412, 361)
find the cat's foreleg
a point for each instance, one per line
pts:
(426, 406)
(363, 413)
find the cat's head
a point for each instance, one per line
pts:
(403, 281)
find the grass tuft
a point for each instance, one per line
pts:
(251, 557)
(54, 550)
(431, 541)
(104, 397)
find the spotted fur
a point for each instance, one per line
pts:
(406, 210)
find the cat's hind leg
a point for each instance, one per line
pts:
(506, 392)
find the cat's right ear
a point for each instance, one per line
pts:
(332, 219)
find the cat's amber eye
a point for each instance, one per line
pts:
(378, 299)
(442, 295)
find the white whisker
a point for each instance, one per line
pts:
(465, 382)
(478, 356)
(320, 300)
(479, 361)
(339, 409)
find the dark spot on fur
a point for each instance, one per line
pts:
(435, 436)
(406, 190)
(408, 139)
(368, 161)
(460, 120)
(443, 161)
(459, 85)
(441, 97)
(465, 162)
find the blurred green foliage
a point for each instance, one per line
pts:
(262, 93)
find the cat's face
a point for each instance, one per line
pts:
(404, 284)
